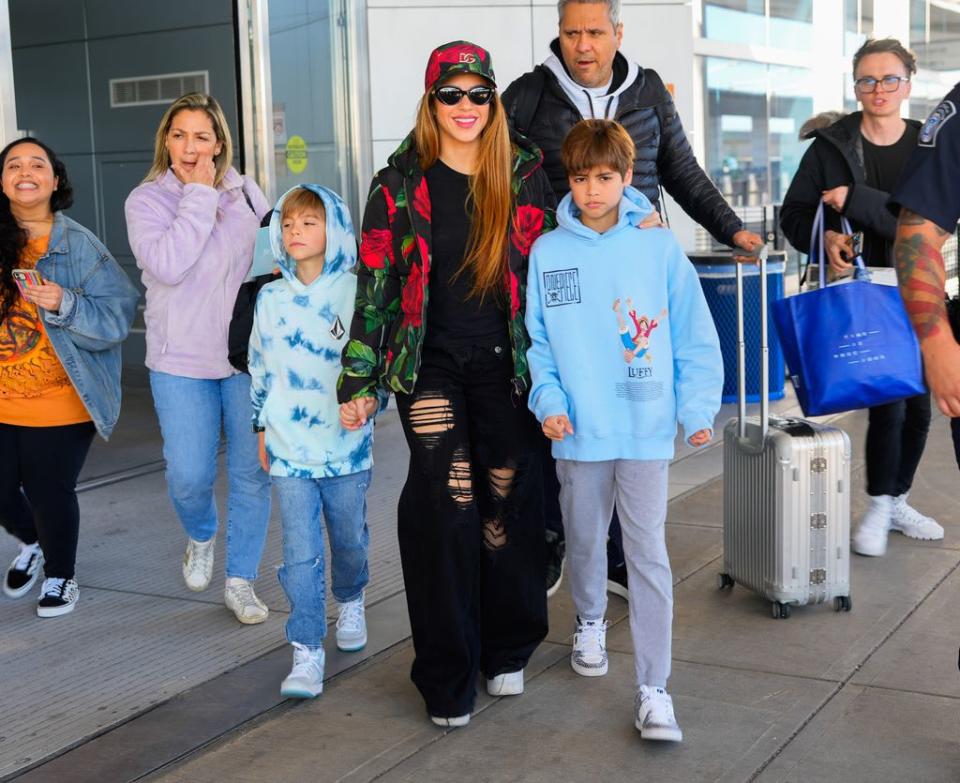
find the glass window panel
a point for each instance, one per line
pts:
(736, 21)
(302, 81)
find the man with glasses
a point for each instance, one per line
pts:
(851, 167)
(586, 77)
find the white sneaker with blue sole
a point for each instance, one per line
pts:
(306, 677)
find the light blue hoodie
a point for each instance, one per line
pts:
(623, 376)
(294, 356)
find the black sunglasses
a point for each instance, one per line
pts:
(451, 96)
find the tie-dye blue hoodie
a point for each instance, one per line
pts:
(298, 333)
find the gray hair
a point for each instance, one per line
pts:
(613, 8)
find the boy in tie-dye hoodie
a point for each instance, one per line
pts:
(298, 333)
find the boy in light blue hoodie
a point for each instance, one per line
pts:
(622, 349)
(316, 465)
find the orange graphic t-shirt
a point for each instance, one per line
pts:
(35, 390)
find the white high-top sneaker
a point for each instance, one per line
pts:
(907, 520)
(871, 536)
(306, 677)
(352, 626)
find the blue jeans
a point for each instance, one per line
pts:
(342, 502)
(191, 412)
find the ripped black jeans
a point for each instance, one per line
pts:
(470, 524)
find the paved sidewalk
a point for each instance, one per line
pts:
(818, 697)
(872, 695)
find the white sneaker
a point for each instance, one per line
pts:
(655, 718)
(352, 626)
(451, 723)
(198, 564)
(506, 684)
(239, 597)
(871, 536)
(907, 520)
(589, 656)
(306, 677)
(24, 571)
(57, 597)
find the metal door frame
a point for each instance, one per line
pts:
(8, 100)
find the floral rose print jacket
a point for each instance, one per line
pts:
(389, 320)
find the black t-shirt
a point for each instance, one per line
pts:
(931, 180)
(882, 166)
(454, 317)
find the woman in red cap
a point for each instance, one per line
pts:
(439, 321)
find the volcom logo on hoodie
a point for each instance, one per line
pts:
(561, 287)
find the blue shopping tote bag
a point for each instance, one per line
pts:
(847, 345)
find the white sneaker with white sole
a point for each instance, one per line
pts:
(451, 723)
(907, 520)
(871, 536)
(506, 684)
(198, 564)
(239, 597)
(589, 655)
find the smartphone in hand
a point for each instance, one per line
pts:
(25, 278)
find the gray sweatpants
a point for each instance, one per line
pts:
(588, 491)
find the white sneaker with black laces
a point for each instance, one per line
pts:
(57, 597)
(24, 571)
(239, 597)
(907, 520)
(655, 718)
(352, 626)
(306, 677)
(589, 655)
(198, 564)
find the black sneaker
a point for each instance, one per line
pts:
(556, 549)
(58, 596)
(23, 571)
(617, 581)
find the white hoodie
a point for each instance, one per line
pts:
(593, 103)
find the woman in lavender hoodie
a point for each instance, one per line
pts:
(192, 225)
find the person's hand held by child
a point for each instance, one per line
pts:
(653, 220)
(354, 414)
(262, 451)
(700, 438)
(557, 427)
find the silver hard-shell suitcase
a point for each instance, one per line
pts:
(786, 497)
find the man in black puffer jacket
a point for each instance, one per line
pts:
(587, 78)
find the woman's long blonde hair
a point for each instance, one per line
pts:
(491, 192)
(193, 101)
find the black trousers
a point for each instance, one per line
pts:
(896, 437)
(554, 519)
(38, 480)
(470, 524)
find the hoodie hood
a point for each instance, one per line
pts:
(587, 102)
(634, 207)
(341, 252)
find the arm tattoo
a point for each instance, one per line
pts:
(921, 273)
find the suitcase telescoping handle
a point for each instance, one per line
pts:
(764, 355)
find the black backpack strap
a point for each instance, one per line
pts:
(530, 88)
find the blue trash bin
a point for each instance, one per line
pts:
(718, 277)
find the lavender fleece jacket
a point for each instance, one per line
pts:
(194, 245)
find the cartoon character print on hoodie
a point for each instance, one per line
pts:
(622, 341)
(294, 357)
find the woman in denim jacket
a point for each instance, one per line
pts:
(65, 308)
(192, 225)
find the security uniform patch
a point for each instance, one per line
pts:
(938, 118)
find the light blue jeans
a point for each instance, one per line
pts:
(304, 505)
(191, 413)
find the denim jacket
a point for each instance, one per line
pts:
(98, 306)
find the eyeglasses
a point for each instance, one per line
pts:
(868, 84)
(451, 96)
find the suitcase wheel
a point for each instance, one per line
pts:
(842, 603)
(779, 611)
(724, 581)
